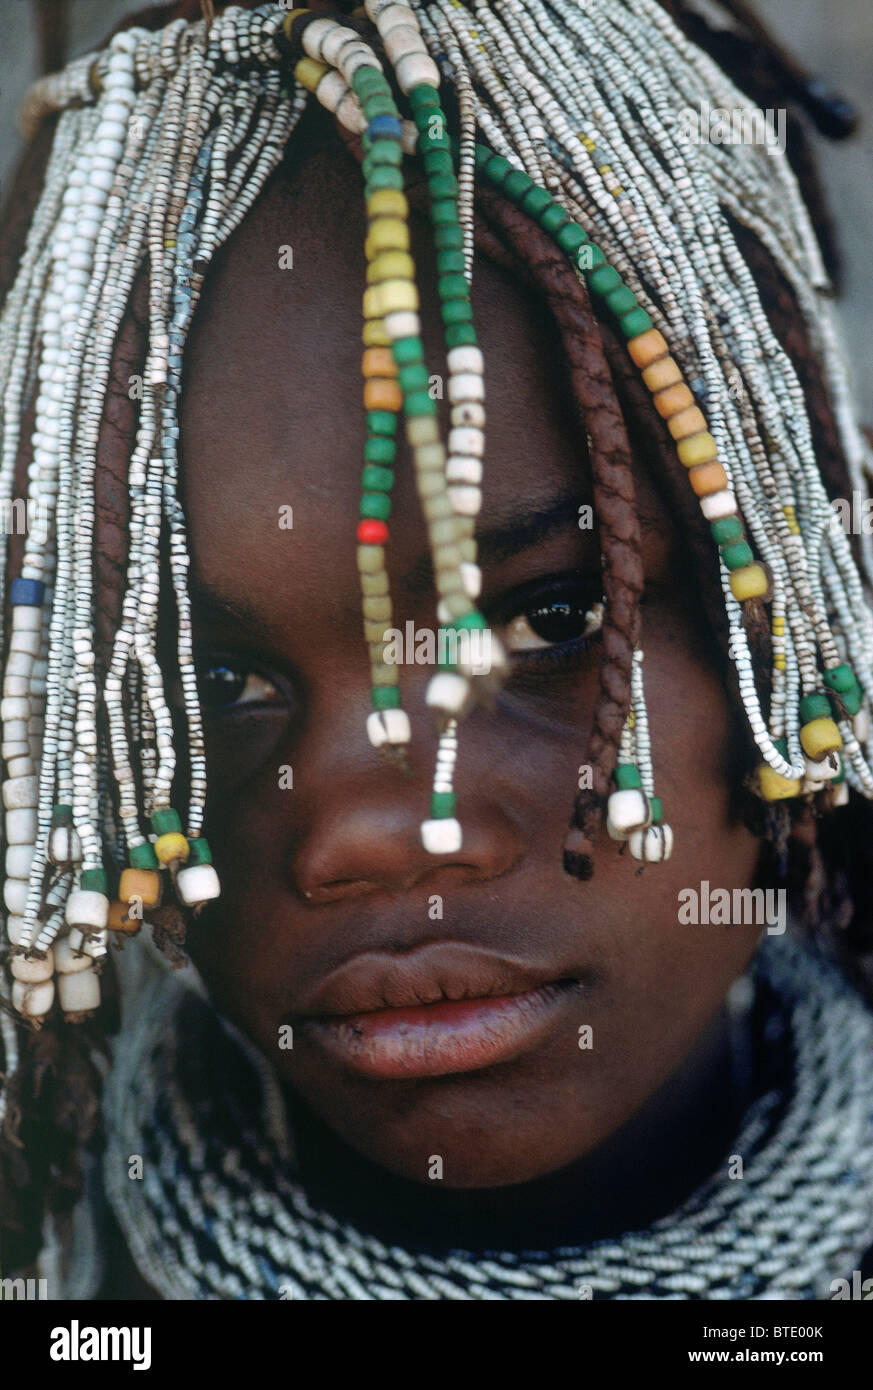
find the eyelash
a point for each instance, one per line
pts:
(560, 657)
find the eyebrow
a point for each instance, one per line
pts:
(509, 537)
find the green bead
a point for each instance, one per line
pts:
(375, 505)
(444, 212)
(378, 449)
(450, 262)
(571, 237)
(470, 621)
(442, 805)
(443, 186)
(852, 699)
(456, 311)
(814, 707)
(407, 350)
(384, 177)
(737, 554)
(635, 323)
(166, 822)
(460, 335)
(453, 287)
(420, 403)
(428, 141)
(423, 95)
(385, 697)
(627, 777)
(657, 810)
(590, 258)
(367, 79)
(62, 814)
(553, 218)
(483, 154)
(438, 162)
(381, 422)
(621, 301)
(728, 529)
(382, 152)
(449, 237)
(535, 201)
(376, 479)
(840, 678)
(199, 851)
(379, 106)
(143, 857)
(516, 184)
(781, 746)
(603, 281)
(92, 881)
(497, 168)
(413, 378)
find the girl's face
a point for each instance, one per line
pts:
(330, 905)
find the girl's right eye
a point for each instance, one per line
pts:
(227, 686)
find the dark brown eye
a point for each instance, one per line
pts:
(564, 616)
(224, 687)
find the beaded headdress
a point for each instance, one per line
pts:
(163, 142)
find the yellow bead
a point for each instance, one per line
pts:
(820, 737)
(699, 448)
(387, 202)
(395, 296)
(309, 72)
(371, 559)
(141, 883)
(751, 581)
(774, 787)
(390, 265)
(687, 423)
(374, 334)
(663, 373)
(171, 846)
(372, 306)
(386, 234)
(647, 347)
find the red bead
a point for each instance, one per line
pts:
(372, 532)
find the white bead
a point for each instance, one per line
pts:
(20, 767)
(15, 895)
(314, 35)
(464, 470)
(93, 946)
(33, 1001)
(718, 505)
(402, 40)
(15, 930)
(415, 69)
(67, 960)
(26, 618)
(33, 970)
(466, 386)
(16, 685)
(627, 811)
(14, 708)
(64, 846)
(467, 440)
(80, 992)
(197, 884)
(653, 845)
(823, 771)
(465, 359)
(28, 642)
(467, 413)
(471, 578)
(448, 691)
(405, 323)
(112, 149)
(18, 860)
(441, 836)
(466, 501)
(392, 15)
(20, 791)
(388, 726)
(21, 826)
(87, 910)
(861, 725)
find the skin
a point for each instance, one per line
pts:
(551, 1140)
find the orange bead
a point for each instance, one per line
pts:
(707, 478)
(140, 883)
(647, 347)
(378, 361)
(121, 921)
(698, 448)
(676, 397)
(662, 374)
(381, 394)
(690, 421)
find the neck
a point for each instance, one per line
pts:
(642, 1172)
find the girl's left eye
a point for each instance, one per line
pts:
(224, 687)
(565, 618)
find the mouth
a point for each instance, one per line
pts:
(436, 1011)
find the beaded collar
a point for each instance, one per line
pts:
(220, 1214)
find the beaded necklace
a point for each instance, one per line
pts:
(164, 141)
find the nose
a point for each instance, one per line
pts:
(362, 835)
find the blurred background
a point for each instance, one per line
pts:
(832, 39)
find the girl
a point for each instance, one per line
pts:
(444, 1048)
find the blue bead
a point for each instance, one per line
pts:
(26, 593)
(385, 125)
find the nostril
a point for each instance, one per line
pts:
(337, 889)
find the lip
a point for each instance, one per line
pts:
(441, 1009)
